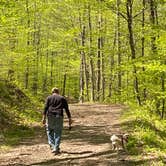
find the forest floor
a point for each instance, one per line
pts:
(86, 144)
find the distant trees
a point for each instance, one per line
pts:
(108, 51)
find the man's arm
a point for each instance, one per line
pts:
(45, 111)
(66, 107)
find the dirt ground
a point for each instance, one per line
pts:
(87, 144)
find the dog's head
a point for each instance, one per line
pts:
(125, 137)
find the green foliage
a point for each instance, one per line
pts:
(16, 107)
(42, 46)
(132, 146)
(148, 131)
(16, 133)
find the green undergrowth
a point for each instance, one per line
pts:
(15, 134)
(147, 132)
(19, 112)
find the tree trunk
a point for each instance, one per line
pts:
(143, 44)
(64, 85)
(81, 98)
(119, 49)
(82, 53)
(102, 71)
(163, 90)
(90, 55)
(36, 58)
(46, 66)
(52, 69)
(153, 22)
(84, 71)
(112, 63)
(98, 81)
(28, 44)
(132, 47)
(85, 64)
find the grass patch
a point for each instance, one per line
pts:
(18, 114)
(148, 134)
(14, 135)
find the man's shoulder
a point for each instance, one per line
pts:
(49, 96)
(62, 97)
(56, 96)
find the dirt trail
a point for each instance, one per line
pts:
(86, 144)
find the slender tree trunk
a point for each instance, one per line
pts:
(64, 85)
(35, 74)
(38, 33)
(82, 53)
(163, 90)
(46, 66)
(119, 49)
(112, 63)
(52, 69)
(28, 44)
(81, 98)
(90, 55)
(84, 71)
(102, 71)
(143, 43)
(132, 47)
(99, 40)
(85, 64)
(153, 22)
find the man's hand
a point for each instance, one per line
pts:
(44, 120)
(70, 122)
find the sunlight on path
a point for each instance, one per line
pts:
(86, 144)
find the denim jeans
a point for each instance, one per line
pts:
(54, 131)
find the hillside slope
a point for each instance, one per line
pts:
(17, 113)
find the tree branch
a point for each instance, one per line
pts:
(139, 12)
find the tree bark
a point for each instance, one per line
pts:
(153, 22)
(64, 85)
(99, 45)
(119, 49)
(52, 69)
(45, 79)
(28, 43)
(36, 58)
(132, 47)
(91, 55)
(82, 53)
(163, 91)
(143, 43)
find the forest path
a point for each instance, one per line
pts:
(87, 144)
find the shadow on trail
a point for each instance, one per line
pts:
(109, 158)
(78, 133)
(88, 134)
(70, 160)
(76, 153)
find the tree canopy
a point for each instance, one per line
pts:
(93, 50)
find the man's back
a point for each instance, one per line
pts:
(55, 104)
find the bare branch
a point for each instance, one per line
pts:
(139, 12)
(114, 10)
(121, 14)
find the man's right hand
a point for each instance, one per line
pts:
(44, 121)
(70, 122)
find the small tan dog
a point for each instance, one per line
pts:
(118, 141)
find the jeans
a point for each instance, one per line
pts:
(54, 131)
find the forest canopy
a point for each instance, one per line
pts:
(93, 50)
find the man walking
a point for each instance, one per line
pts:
(53, 118)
